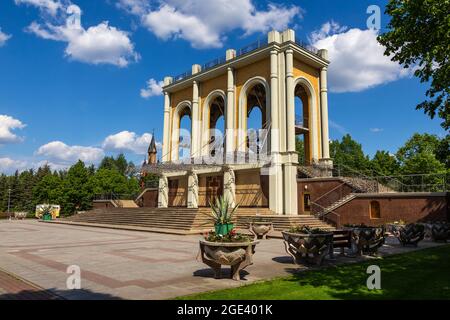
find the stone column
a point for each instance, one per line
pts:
(290, 168)
(192, 200)
(230, 112)
(324, 111)
(290, 100)
(166, 137)
(276, 172)
(163, 192)
(229, 185)
(166, 133)
(195, 138)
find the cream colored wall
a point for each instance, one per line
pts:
(249, 181)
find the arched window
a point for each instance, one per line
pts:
(256, 119)
(184, 145)
(302, 124)
(375, 212)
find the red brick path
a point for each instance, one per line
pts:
(12, 288)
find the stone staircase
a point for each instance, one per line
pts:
(183, 220)
(337, 204)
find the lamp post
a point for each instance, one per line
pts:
(9, 202)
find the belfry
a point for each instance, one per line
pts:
(223, 150)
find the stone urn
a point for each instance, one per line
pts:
(440, 232)
(308, 247)
(20, 215)
(411, 234)
(260, 229)
(238, 255)
(368, 239)
(394, 227)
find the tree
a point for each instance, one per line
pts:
(300, 148)
(49, 190)
(383, 163)
(107, 181)
(349, 154)
(418, 37)
(443, 151)
(77, 191)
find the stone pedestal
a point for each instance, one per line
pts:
(163, 192)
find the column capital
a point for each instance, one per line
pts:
(289, 51)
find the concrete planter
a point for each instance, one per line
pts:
(238, 255)
(394, 227)
(440, 232)
(307, 247)
(410, 234)
(20, 215)
(368, 239)
(260, 229)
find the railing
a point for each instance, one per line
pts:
(211, 64)
(307, 47)
(251, 47)
(328, 198)
(372, 181)
(322, 216)
(115, 198)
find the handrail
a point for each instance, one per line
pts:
(326, 193)
(321, 215)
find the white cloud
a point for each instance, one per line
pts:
(204, 23)
(153, 88)
(58, 152)
(100, 44)
(357, 59)
(4, 37)
(7, 124)
(8, 165)
(376, 130)
(127, 141)
(49, 6)
(334, 125)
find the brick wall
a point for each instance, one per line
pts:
(409, 207)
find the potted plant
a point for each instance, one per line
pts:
(232, 249)
(410, 234)
(260, 227)
(222, 215)
(46, 213)
(305, 243)
(367, 239)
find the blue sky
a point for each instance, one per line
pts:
(66, 94)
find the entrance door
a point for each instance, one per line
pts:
(173, 192)
(214, 188)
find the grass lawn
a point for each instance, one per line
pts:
(423, 274)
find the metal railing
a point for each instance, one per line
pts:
(251, 47)
(215, 62)
(301, 121)
(307, 47)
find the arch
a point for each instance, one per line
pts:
(243, 112)
(178, 113)
(206, 113)
(374, 210)
(312, 149)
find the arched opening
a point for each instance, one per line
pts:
(216, 126)
(256, 138)
(302, 127)
(184, 142)
(375, 212)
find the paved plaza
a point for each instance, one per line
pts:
(120, 264)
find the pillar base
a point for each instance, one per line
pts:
(326, 167)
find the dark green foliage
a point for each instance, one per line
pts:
(72, 189)
(418, 37)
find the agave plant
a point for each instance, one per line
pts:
(221, 212)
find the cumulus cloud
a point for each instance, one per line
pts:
(7, 125)
(127, 141)
(100, 44)
(60, 152)
(357, 59)
(49, 6)
(154, 88)
(3, 37)
(204, 23)
(8, 165)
